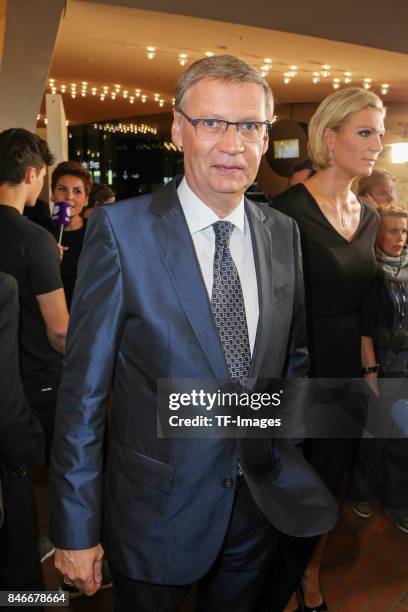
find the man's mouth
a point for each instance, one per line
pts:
(227, 169)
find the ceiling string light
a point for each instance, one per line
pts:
(266, 66)
(126, 128)
(325, 71)
(171, 147)
(116, 90)
(293, 71)
(182, 58)
(113, 92)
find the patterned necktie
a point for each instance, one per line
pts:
(227, 305)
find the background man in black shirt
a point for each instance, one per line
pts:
(21, 443)
(29, 253)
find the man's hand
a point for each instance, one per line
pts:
(82, 567)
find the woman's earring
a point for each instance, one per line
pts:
(330, 156)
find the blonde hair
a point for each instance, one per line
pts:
(377, 176)
(391, 210)
(227, 68)
(334, 113)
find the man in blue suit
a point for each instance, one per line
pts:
(193, 282)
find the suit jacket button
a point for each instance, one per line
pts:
(228, 483)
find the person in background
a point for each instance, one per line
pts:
(337, 232)
(29, 253)
(100, 194)
(21, 445)
(40, 214)
(71, 182)
(378, 188)
(301, 172)
(381, 470)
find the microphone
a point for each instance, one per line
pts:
(61, 216)
(399, 412)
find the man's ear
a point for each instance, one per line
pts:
(30, 175)
(265, 144)
(176, 129)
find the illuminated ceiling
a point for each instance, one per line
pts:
(105, 45)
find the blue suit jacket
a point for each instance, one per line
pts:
(141, 312)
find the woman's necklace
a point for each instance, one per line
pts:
(343, 219)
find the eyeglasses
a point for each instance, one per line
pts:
(214, 129)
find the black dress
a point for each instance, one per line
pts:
(338, 276)
(72, 239)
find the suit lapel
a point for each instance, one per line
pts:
(263, 257)
(178, 251)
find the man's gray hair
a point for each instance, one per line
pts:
(227, 68)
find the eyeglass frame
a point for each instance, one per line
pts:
(194, 123)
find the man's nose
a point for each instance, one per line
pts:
(231, 139)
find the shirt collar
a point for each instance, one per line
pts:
(199, 215)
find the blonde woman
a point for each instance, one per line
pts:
(381, 469)
(337, 231)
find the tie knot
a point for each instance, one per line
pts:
(222, 231)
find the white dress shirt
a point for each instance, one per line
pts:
(200, 218)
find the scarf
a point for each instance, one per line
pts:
(392, 268)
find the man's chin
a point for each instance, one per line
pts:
(232, 185)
